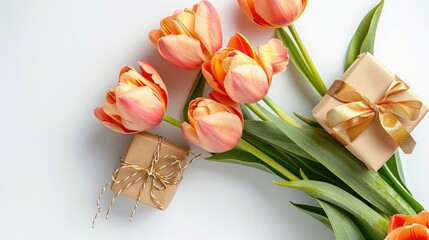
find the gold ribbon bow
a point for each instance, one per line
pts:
(163, 171)
(350, 119)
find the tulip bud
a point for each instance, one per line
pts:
(409, 227)
(273, 13)
(213, 126)
(243, 75)
(189, 37)
(137, 104)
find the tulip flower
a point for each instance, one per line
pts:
(213, 126)
(137, 104)
(189, 37)
(240, 73)
(403, 227)
(273, 13)
(278, 14)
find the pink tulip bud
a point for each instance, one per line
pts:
(189, 37)
(215, 127)
(137, 104)
(273, 13)
(243, 75)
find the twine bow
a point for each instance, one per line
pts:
(163, 171)
(350, 119)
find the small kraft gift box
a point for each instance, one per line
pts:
(149, 172)
(371, 111)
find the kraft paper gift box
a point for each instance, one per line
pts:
(139, 156)
(374, 146)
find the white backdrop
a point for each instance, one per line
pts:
(57, 60)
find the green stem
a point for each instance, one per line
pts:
(280, 112)
(255, 109)
(244, 145)
(172, 121)
(307, 58)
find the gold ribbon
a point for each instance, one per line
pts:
(349, 120)
(163, 171)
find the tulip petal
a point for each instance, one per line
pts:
(110, 96)
(109, 106)
(223, 98)
(180, 23)
(130, 77)
(110, 122)
(227, 101)
(303, 6)
(208, 26)
(399, 220)
(189, 133)
(182, 50)
(185, 23)
(154, 36)
(279, 13)
(396, 221)
(219, 132)
(273, 56)
(139, 108)
(240, 43)
(245, 83)
(151, 75)
(419, 219)
(411, 232)
(170, 26)
(425, 216)
(248, 7)
(112, 111)
(210, 78)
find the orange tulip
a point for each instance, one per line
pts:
(137, 104)
(213, 126)
(403, 227)
(273, 13)
(240, 73)
(189, 37)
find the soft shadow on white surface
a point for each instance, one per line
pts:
(59, 58)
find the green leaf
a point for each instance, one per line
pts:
(195, 92)
(391, 179)
(375, 223)
(302, 174)
(316, 171)
(395, 165)
(269, 132)
(327, 151)
(296, 57)
(283, 159)
(364, 38)
(368, 42)
(246, 113)
(316, 212)
(308, 121)
(241, 157)
(342, 223)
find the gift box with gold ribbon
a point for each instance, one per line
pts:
(371, 111)
(149, 172)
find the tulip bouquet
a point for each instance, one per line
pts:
(231, 124)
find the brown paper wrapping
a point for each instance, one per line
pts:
(140, 152)
(368, 76)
